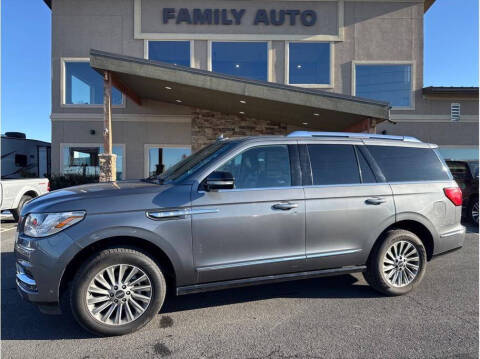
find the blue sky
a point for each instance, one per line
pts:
(451, 58)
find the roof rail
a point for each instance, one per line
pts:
(352, 135)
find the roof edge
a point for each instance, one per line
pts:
(113, 56)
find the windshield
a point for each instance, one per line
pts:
(194, 162)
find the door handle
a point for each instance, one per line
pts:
(285, 206)
(375, 201)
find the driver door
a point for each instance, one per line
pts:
(258, 227)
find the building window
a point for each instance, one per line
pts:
(83, 160)
(243, 59)
(455, 112)
(173, 52)
(460, 153)
(389, 83)
(309, 63)
(162, 158)
(84, 86)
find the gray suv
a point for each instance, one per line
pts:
(240, 212)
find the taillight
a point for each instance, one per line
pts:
(48, 186)
(454, 194)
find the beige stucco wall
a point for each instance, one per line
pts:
(373, 31)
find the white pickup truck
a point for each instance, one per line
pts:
(16, 192)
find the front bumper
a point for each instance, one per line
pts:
(40, 264)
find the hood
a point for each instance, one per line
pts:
(111, 197)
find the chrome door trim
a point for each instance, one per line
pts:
(453, 233)
(333, 253)
(178, 213)
(249, 263)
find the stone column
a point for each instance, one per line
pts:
(108, 167)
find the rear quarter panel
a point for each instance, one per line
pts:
(425, 202)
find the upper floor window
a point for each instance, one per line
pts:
(174, 52)
(84, 86)
(309, 63)
(243, 59)
(390, 83)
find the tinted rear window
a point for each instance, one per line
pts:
(333, 164)
(400, 164)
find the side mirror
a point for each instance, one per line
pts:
(219, 180)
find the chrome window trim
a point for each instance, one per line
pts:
(254, 189)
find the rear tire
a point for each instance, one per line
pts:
(107, 299)
(397, 263)
(16, 212)
(473, 211)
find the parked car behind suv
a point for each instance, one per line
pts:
(466, 175)
(240, 212)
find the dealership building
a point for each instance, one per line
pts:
(185, 72)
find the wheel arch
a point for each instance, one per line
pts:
(128, 241)
(24, 192)
(418, 228)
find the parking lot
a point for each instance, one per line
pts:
(338, 317)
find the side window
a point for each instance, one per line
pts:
(260, 167)
(333, 164)
(367, 173)
(400, 164)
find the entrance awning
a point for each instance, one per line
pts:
(145, 79)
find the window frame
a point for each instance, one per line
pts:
(146, 54)
(269, 56)
(330, 85)
(122, 145)
(146, 150)
(63, 86)
(412, 84)
(295, 169)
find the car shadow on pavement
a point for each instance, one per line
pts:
(23, 321)
(326, 287)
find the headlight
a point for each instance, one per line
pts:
(46, 224)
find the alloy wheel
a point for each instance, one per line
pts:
(119, 294)
(475, 212)
(401, 264)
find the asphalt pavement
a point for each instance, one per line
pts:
(336, 317)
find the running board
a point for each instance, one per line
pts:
(206, 287)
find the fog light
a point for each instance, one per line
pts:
(25, 277)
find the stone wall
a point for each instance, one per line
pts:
(208, 125)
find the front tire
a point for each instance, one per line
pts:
(117, 291)
(397, 264)
(16, 212)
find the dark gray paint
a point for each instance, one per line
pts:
(238, 234)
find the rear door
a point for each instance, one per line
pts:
(418, 177)
(347, 204)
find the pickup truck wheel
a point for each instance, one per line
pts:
(117, 291)
(16, 212)
(397, 264)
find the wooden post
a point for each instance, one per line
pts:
(372, 126)
(107, 160)
(107, 113)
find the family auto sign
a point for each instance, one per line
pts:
(234, 16)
